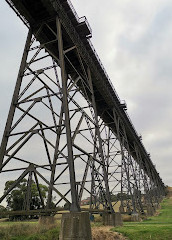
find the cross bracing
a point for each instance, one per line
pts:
(66, 126)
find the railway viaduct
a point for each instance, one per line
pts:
(68, 129)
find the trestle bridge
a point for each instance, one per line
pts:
(67, 128)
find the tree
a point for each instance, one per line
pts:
(2, 210)
(114, 197)
(16, 200)
(67, 206)
(123, 196)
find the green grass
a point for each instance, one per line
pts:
(156, 228)
(8, 223)
(52, 234)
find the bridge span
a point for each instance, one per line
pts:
(67, 127)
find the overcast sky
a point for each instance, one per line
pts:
(134, 41)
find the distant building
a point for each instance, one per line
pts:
(85, 201)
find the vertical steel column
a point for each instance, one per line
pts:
(14, 98)
(28, 193)
(93, 200)
(122, 144)
(144, 176)
(136, 189)
(75, 205)
(151, 182)
(157, 190)
(53, 168)
(100, 143)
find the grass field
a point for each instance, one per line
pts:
(28, 231)
(156, 228)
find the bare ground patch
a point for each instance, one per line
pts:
(104, 233)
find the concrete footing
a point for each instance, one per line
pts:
(75, 226)
(150, 210)
(118, 219)
(46, 220)
(113, 219)
(135, 217)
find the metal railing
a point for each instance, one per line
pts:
(84, 19)
(73, 10)
(108, 78)
(79, 19)
(11, 4)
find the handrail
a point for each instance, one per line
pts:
(18, 14)
(73, 10)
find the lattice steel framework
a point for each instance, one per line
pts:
(60, 133)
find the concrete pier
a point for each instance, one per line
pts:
(135, 217)
(75, 226)
(112, 219)
(150, 210)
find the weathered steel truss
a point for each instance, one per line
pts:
(61, 133)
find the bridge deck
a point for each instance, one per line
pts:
(77, 32)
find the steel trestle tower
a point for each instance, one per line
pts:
(66, 126)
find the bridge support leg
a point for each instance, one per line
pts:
(135, 217)
(75, 226)
(112, 219)
(74, 195)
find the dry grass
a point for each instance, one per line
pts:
(23, 229)
(169, 192)
(126, 218)
(104, 233)
(116, 206)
